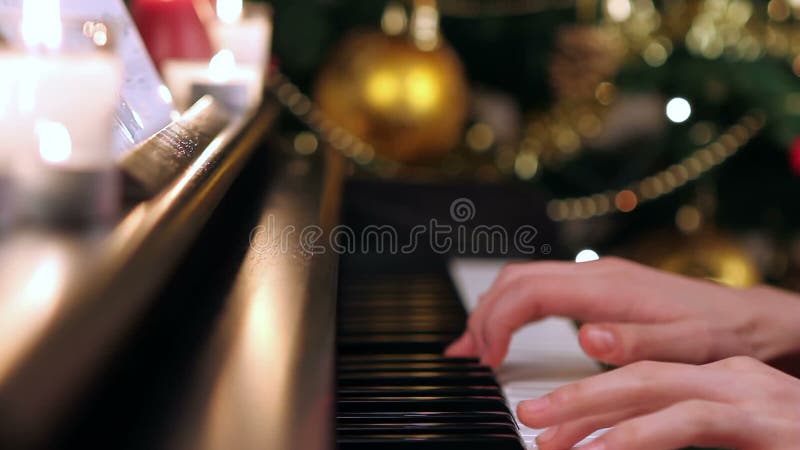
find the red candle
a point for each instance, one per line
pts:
(171, 29)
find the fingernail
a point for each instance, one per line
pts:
(595, 445)
(547, 434)
(602, 340)
(536, 405)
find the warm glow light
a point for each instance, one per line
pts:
(41, 23)
(626, 201)
(586, 256)
(678, 110)
(394, 20)
(100, 35)
(688, 219)
(7, 87)
(422, 90)
(305, 143)
(97, 32)
(55, 143)
(229, 11)
(37, 275)
(221, 66)
(382, 88)
(426, 27)
(619, 10)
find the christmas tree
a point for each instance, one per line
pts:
(664, 131)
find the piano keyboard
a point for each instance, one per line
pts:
(396, 391)
(542, 357)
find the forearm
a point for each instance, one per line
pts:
(778, 328)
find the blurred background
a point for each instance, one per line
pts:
(663, 131)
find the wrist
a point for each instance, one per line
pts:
(777, 329)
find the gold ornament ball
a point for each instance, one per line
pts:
(707, 255)
(409, 104)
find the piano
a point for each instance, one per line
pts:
(195, 324)
(395, 390)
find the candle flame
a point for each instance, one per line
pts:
(41, 23)
(230, 11)
(55, 143)
(221, 66)
(97, 32)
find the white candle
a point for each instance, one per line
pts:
(57, 110)
(237, 86)
(79, 92)
(5, 201)
(247, 32)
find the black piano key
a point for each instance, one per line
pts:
(401, 323)
(414, 404)
(498, 441)
(395, 320)
(396, 335)
(465, 417)
(413, 391)
(421, 343)
(444, 366)
(423, 427)
(411, 358)
(411, 370)
(357, 308)
(395, 388)
(415, 378)
(368, 330)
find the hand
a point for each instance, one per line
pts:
(632, 313)
(736, 403)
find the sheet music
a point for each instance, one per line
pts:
(145, 104)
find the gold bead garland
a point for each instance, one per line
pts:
(301, 106)
(578, 208)
(664, 182)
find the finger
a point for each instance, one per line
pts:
(509, 274)
(515, 271)
(566, 435)
(601, 290)
(623, 343)
(527, 300)
(473, 346)
(643, 383)
(589, 296)
(690, 423)
(467, 345)
(464, 346)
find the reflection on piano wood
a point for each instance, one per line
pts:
(232, 345)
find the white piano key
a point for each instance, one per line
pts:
(542, 357)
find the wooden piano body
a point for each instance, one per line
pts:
(188, 326)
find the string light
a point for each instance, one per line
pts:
(305, 143)
(586, 255)
(678, 110)
(688, 219)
